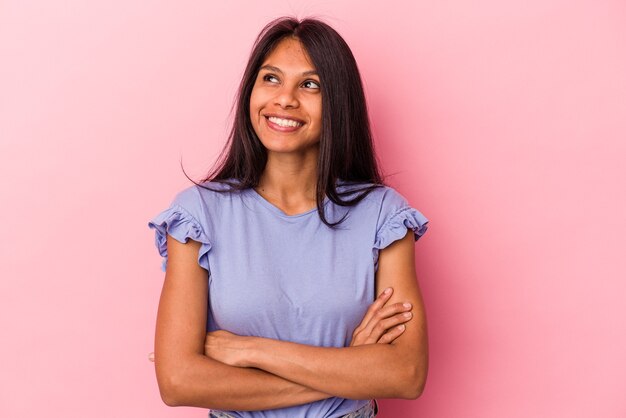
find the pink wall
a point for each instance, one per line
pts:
(505, 123)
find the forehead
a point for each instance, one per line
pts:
(289, 54)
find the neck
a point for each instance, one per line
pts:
(290, 178)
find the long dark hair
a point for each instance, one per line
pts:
(346, 149)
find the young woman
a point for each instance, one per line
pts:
(273, 261)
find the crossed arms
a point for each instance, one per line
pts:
(225, 371)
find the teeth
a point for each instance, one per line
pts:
(284, 122)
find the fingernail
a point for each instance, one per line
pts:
(406, 305)
(401, 327)
(407, 314)
(387, 291)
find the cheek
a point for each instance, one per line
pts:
(318, 114)
(258, 100)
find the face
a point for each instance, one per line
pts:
(286, 101)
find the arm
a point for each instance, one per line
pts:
(185, 376)
(396, 370)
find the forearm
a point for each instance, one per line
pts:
(207, 383)
(362, 372)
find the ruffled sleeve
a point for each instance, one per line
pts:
(182, 226)
(395, 218)
(397, 224)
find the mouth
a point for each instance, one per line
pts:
(282, 124)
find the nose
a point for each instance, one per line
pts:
(286, 98)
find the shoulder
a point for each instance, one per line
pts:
(391, 200)
(383, 203)
(203, 195)
(381, 195)
(199, 203)
(389, 196)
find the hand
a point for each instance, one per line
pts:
(382, 324)
(226, 347)
(223, 346)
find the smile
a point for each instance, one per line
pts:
(284, 122)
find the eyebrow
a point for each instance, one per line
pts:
(278, 70)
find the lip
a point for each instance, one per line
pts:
(278, 115)
(275, 127)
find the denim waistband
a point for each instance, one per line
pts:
(368, 411)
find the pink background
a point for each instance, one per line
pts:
(504, 123)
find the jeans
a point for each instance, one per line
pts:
(368, 411)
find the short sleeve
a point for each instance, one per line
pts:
(396, 216)
(178, 221)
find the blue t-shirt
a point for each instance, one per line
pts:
(288, 277)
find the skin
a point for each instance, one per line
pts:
(388, 354)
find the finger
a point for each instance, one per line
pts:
(392, 334)
(375, 306)
(382, 321)
(384, 313)
(394, 308)
(151, 357)
(387, 324)
(380, 328)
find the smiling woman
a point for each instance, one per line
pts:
(273, 262)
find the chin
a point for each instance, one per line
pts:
(284, 148)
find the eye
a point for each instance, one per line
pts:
(269, 77)
(311, 84)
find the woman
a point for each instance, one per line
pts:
(280, 251)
